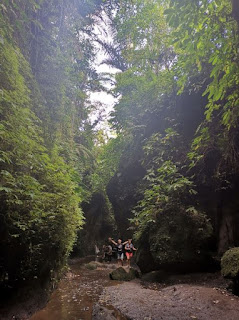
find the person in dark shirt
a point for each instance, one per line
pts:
(120, 254)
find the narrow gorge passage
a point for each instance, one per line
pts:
(119, 137)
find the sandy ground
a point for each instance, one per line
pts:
(177, 302)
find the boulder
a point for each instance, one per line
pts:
(91, 266)
(230, 264)
(121, 274)
(230, 267)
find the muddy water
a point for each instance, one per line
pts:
(76, 294)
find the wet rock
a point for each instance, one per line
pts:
(91, 266)
(230, 267)
(121, 274)
(133, 273)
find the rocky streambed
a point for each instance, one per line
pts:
(78, 294)
(177, 302)
(86, 292)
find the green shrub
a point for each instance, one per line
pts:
(39, 212)
(179, 237)
(121, 274)
(230, 267)
(230, 264)
(167, 220)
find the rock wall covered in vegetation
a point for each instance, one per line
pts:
(44, 73)
(178, 110)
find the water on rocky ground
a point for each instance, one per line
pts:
(78, 294)
(86, 292)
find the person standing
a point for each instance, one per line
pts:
(120, 254)
(108, 253)
(129, 249)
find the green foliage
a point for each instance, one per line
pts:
(168, 51)
(45, 136)
(173, 50)
(180, 236)
(160, 62)
(39, 208)
(142, 35)
(107, 163)
(164, 218)
(206, 31)
(179, 47)
(100, 220)
(164, 194)
(230, 264)
(205, 39)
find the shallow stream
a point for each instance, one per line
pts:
(76, 295)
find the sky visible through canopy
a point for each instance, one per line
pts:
(103, 100)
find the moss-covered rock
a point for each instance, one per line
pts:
(230, 267)
(91, 266)
(176, 241)
(133, 273)
(121, 274)
(230, 264)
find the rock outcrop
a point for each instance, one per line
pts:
(121, 274)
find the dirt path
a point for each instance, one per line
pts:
(178, 302)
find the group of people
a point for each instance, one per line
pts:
(120, 248)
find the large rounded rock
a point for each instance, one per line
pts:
(230, 267)
(230, 263)
(121, 274)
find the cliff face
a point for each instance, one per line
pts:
(217, 197)
(222, 208)
(179, 110)
(123, 194)
(227, 218)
